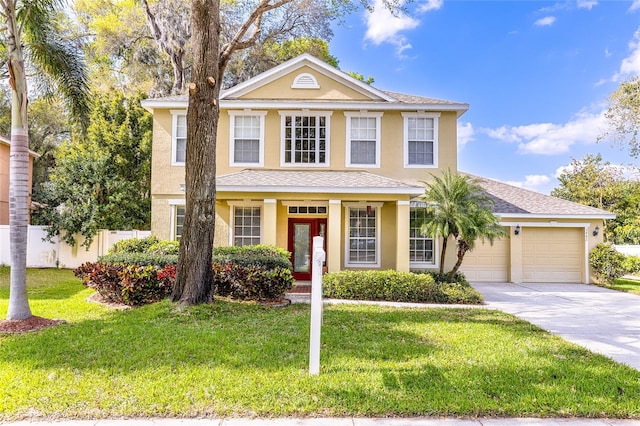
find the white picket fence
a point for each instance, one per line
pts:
(628, 250)
(58, 254)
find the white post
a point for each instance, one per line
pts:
(316, 305)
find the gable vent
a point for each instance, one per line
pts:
(305, 81)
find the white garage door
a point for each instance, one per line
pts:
(486, 262)
(554, 255)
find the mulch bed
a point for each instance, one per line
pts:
(32, 323)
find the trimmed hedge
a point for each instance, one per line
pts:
(131, 277)
(140, 259)
(251, 282)
(131, 285)
(397, 287)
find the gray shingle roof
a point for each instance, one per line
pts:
(510, 200)
(420, 100)
(314, 181)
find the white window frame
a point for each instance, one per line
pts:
(422, 265)
(232, 138)
(174, 133)
(232, 219)
(174, 205)
(305, 113)
(362, 114)
(420, 114)
(377, 206)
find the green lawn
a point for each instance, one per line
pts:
(623, 284)
(242, 359)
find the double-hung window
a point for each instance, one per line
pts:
(421, 246)
(363, 139)
(363, 234)
(247, 229)
(421, 139)
(305, 138)
(178, 137)
(246, 144)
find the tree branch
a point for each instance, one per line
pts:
(239, 41)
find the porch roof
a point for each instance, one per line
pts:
(314, 181)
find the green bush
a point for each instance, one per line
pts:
(607, 263)
(631, 264)
(133, 245)
(252, 255)
(396, 286)
(140, 259)
(131, 285)
(251, 282)
(459, 277)
(165, 247)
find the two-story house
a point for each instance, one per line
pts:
(304, 150)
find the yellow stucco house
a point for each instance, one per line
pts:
(304, 150)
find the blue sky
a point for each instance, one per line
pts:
(536, 74)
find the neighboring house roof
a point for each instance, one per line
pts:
(5, 141)
(314, 181)
(376, 99)
(512, 201)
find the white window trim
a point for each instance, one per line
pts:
(232, 142)
(305, 113)
(244, 203)
(173, 205)
(374, 205)
(436, 256)
(174, 131)
(377, 116)
(405, 143)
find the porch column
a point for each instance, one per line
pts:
(270, 221)
(515, 275)
(334, 235)
(402, 235)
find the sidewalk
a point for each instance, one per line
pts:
(331, 421)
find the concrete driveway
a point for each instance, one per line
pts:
(604, 321)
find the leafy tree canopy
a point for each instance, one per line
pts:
(623, 116)
(597, 183)
(102, 181)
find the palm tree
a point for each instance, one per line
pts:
(31, 33)
(457, 206)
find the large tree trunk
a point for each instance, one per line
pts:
(18, 173)
(194, 278)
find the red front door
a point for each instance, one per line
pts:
(301, 233)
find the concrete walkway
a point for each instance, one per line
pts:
(604, 321)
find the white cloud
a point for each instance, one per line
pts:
(587, 4)
(635, 5)
(547, 21)
(532, 182)
(551, 138)
(465, 134)
(631, 64)
(430, 5)
(384, 26)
